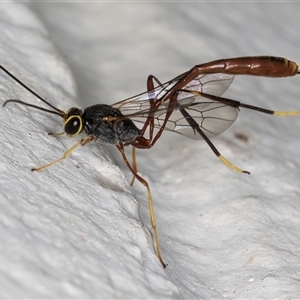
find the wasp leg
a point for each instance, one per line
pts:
(271, 112)
(286, 113)
(134, 165)
(237, 105)
(196, 127)
(154, 104)
(56, 134)
(120, 147)
(82, 142)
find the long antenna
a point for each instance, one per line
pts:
(60, 112)
(31, 105)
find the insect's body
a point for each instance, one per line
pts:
(106, 125)
(190, 104)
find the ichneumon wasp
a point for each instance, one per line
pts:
(190, 104)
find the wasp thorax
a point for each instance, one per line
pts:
(107, 125)
(73, 124)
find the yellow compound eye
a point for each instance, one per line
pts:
(73, 125)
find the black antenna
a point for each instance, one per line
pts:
(59, 112)
(31, 105)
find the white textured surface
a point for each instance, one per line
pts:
(74, 230)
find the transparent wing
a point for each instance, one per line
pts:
(213, 117)
(213, 84)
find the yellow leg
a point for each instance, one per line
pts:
(230, 165)
(82, 142)
(286, 113)
(150, 205)
(153, 223)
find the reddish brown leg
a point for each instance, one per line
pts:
(154, 104)
(120, 147)
(134, 164)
